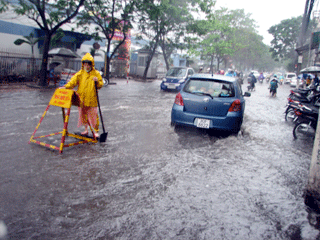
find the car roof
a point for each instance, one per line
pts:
(180, 67)
(208, 76)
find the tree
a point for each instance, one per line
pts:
(285, 36)
(49, 16)
(174, 20)
(285, 39)
(163, 23)
(31, 40)
(254, 54)
(109, 18)
(216, 37)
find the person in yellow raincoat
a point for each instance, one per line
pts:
(86, 79)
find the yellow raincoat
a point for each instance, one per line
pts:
(86, 85)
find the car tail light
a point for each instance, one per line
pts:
(235, 106)
(179, 100)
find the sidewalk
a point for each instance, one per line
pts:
(31, 85)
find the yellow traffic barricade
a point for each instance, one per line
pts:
(63, 98)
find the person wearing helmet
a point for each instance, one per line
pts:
(273, 86)
(261, 77)
(87, 79)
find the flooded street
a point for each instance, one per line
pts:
(150, 180)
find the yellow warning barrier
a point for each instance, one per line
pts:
(63, 98)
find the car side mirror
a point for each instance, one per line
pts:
(247, 94)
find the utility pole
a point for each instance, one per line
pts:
(312, 194)
(305, 23)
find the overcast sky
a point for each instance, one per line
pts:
(267, 13)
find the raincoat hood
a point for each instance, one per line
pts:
(87, 57)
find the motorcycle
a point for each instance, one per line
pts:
(307, 122)
(299, 97)
(290, 115)
(309, 96)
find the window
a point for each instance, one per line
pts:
(141, 61)
(176, 72)
(214, 88)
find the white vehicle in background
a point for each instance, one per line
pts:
(288, 76)
(294, 80)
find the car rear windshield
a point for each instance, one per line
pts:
(291, 75)
(214, 88)
(176, 72)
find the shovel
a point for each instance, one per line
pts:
(103, 136)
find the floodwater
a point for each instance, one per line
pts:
(150, 180)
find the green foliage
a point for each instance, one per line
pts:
(20, 41)
(56, 38)
(102, 13)
(166, 22)
(3, 6)
(229, 37)
(49, 16)
(217, 37)
(104, 18)
(31, 40)
(285, 35)
(285, 40)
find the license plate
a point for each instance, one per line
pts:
(203, 123)
(172, 86)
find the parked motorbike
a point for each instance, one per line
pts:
(298, 97)
(291, 107)
(303, 92)
(307, 122)
(305, 96)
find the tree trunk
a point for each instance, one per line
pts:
(165, 59)
(44, 65)
(107, 61)
(165, 55)
(211, 64)
(150, 59)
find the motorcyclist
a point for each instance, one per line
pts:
(281, 78)
(273, 86)
(261, 77)
(253, 81)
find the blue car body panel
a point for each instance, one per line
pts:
(173, 80)
(172, 84)
(210, 107)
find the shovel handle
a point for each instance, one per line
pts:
(95, 85)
